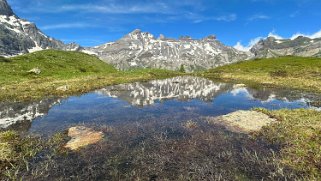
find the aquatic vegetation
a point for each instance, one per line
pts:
(17, 152)
(159, 149)
(190, 124)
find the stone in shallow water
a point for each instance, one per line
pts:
(243, 121)
(82, 136)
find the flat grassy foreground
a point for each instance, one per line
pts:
(292, 72)
(292, 151)
(62, 73)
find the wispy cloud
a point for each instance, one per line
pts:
(312, 36)
(228, 18)
(67, 26)
(258, 17)
(196, 18)
(252, 42)
(115, 8)
(296, 35)
(111, 6)
(240, 46)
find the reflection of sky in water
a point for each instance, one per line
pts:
(95, 108)
(175, 99)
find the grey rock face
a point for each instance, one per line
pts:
(300, 46)
(18, 36)
(5, 9)
(141, 50)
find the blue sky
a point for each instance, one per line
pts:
(94, 22)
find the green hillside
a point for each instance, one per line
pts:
(52, 63)
(294, 72)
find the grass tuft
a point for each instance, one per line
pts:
(298, 134)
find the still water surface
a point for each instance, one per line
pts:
(175, 99)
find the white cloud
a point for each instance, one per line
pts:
(67, 26)
(259, 17)
(114, 8)
(111, 6)
(197, 18)
(312, 36)
(274, 35)
(228, 18)
(241, 47)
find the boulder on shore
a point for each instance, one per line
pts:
(242, 121)
(36, 71)
(63, 88)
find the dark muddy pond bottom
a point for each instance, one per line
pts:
(175, 99)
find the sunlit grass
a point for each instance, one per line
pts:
(298, 134)
(293, 72)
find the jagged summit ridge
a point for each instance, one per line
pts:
(298, 46)
(18, 36)
(140, 49)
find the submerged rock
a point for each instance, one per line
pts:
(243, 121)
(82, 136)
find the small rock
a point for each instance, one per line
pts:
(36, 71)
(237, 86)
(243, 121)
(82, 136)
(63, 88)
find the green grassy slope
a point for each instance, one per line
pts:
(79, 71)
(294, 72)
(52, 63)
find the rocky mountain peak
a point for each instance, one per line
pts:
(161, 37)
(5, 9)
(210, 37)
(141, 50)
(302, 38)
(136, 32)
(185, 37)
(22, 36)
(276, 47)
(271, 38)
(139, 35)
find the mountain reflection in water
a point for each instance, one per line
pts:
(178, 98)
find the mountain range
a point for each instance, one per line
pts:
(142, 50)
